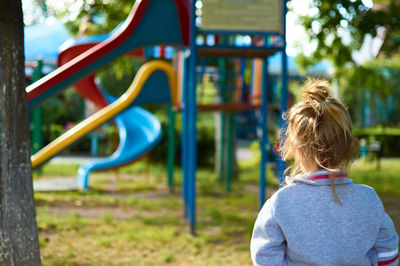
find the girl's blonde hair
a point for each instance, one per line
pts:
(319, 130)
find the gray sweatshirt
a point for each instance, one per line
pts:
(303, 224)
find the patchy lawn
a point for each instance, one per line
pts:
(129, 217)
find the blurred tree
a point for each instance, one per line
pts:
(61, 110)
(105, 14)
(43, 7)
(373, 85)
(340, 26)
(105, 17)
(19, 243)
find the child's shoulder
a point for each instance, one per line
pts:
(367, 192)
(284, 192)
(364, 188)
(289, 189)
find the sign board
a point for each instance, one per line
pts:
(242, 15)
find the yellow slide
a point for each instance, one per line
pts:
(108, 112)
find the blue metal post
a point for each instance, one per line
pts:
(171, 147)
(242, 71)
(184, 136)
(284, 92)
(191, 110)
(251, 86)
(264, 132)
(93, 144)
(222, 95)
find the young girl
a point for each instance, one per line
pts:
(320, 217)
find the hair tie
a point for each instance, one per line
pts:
(322, 103)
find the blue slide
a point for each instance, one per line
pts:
(139, 132)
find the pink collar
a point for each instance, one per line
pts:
(321, 177)
(324, 174)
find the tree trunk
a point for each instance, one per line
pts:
(18, 232)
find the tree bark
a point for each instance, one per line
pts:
(18, 232)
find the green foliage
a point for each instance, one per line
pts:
(66, 107)
(327, 26)
(374, 84)
(108, 13)
(205, 137)
(339, 27)
(388, 137)
(117, 76)
(377, 131)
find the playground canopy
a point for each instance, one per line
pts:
(43, 41)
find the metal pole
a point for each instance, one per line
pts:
(229, 156)
(171, 147)
(284, 92)
(264, 133)
(191, 110)
(184, 146)
(36, 114)
(222, 84)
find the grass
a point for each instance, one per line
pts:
(130, 218)
(56, 169)
(385, 180)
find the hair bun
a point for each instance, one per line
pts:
(316, 90)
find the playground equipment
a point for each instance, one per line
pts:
(145, 16)
(263, 20)
(157, 22)
(35, 119)
(108, 112)
(139, 131)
